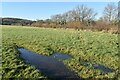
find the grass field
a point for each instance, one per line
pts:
(95, 47)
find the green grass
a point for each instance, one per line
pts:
(14, 67)
(95, 47)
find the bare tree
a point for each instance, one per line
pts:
(56, 18)
(70, 16)
(81, 14)
(85, 13)
(110, 12)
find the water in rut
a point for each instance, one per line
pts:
(50, 66)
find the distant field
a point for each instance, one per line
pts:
(94, 47)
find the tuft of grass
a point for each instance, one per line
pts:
(14, 67)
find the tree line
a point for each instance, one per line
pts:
(81, 17)
(16, 21)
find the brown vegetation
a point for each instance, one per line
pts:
(81, 17)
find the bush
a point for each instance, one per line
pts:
(101, 26)
(76, 25)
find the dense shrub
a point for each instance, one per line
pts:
(75, 25)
